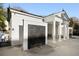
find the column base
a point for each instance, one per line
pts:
(59, 38)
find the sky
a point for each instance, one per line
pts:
(45, 9)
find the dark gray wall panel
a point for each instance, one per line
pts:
(36, 35)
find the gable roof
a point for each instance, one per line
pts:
(63, 11)
(26, 12)
(39, 15)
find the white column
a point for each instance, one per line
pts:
(67, 31)
(53, 32)
(59, 32)
(46, 33)
(64, 31)
(25, 40)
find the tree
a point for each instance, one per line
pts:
(74, 23)
(71, 23)
(2, 18)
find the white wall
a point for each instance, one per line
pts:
(49, 19)
(25, 45)
(60, 27)
(16, 20)
(53, 19)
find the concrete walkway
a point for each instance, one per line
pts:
(64, 48)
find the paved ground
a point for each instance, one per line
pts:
(64, 48)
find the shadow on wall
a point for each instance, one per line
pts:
(36, 41)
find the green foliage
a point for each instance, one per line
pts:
(74, 22)
(71, 23)
(76, 29)
(76, 26)
(2, 18)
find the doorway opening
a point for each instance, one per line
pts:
(50, 30)
(57, 31)
(36, 36)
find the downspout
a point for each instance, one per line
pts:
(9, 22)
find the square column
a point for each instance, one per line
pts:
(59, 32)
(46, 33)
(65, 31)
(67, 34)
(25, 37)
(53, 31)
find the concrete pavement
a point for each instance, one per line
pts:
(64, 48)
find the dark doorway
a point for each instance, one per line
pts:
(50, 29)
(57, 30)
(36, 35)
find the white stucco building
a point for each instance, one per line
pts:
(57, 26)
(25, 26)
(31, 30)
